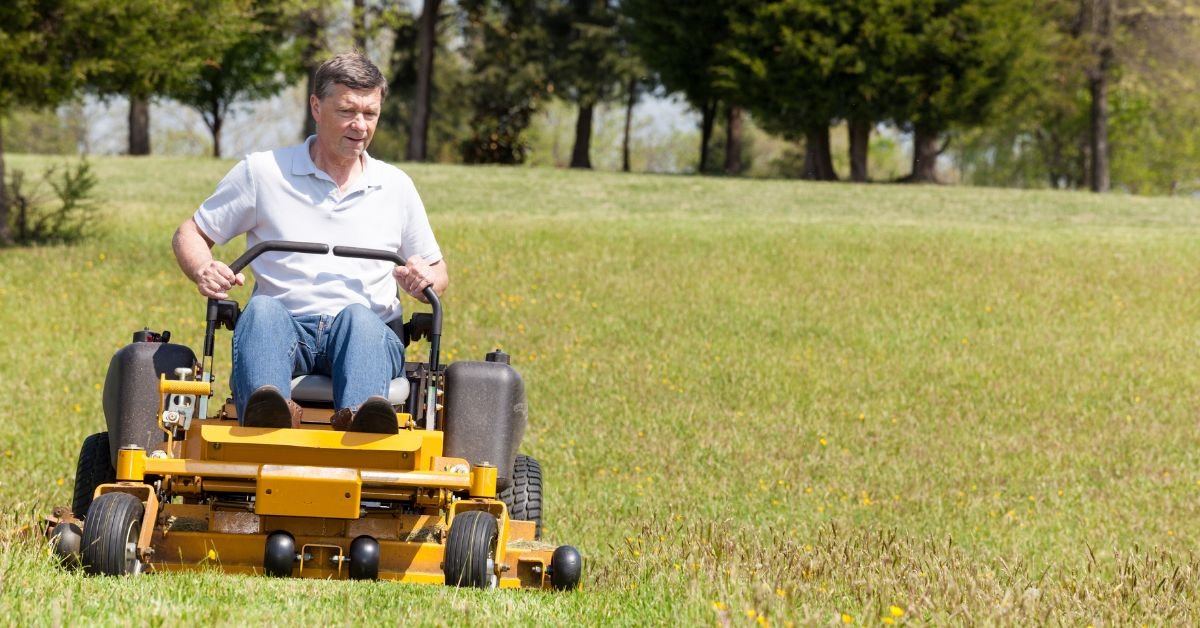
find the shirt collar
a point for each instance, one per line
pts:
(302, 165)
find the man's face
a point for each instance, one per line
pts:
(346, 120)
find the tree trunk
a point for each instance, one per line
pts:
(860, 138)
(1100, 181)
(5, 234)
(818, 162)
(216, 135)
(629, 103)
(312, 26)
(139, 125)
(733, 140)
(583, 137)
(418, 136)
(358, 21)
(707, 115)
(1098, 85)
(925, 153)
(310, 124)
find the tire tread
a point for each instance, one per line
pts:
(524, 496)
(105, 533)
(472, 535)
(93, 469)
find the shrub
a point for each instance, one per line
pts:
(38, 220)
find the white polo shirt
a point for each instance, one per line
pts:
(282, 195)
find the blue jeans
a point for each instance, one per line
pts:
(354, 348)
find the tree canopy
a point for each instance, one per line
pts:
(258, 61)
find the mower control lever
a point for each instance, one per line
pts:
(287, 246)
(435, 334)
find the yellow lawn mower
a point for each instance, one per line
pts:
(447, 500)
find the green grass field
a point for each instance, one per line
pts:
(755, 401)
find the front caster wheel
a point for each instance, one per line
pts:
(566, 567)
(279, 555)
(364, 558)
(110, 535)
(471, 551)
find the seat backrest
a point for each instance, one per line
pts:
(319, 389)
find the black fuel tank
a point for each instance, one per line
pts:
(131, 391)
(485, 415)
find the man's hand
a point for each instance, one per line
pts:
(193, 251)
(414, 276)
(214, 279)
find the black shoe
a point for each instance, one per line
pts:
(375, 416)
(267, 407)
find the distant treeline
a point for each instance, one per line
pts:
(1042, 93)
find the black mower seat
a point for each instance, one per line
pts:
(319, 389)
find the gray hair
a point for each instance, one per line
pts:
(352, 69)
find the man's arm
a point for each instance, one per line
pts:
(414, 276)
(193, 251)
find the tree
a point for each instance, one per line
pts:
(258, 64)
(152, 44)
(585, 62)
(1154, 39)
(312, 18)
(447, 111)
(1112, 106)
(682, 43)
(796, 63)
(505, 43)
(1154, 90)
(956, 60)
(46, 52)
(418, 138)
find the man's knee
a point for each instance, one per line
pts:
(356, 316)
(263, 310)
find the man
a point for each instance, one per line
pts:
(316, 313)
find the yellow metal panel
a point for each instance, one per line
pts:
(521, 530)
(248, 470)
(407, 450)
(318, 439)
(308, 491)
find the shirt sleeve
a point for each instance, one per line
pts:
(230, 211)
(418, 236)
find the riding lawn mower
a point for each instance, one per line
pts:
(175, 484)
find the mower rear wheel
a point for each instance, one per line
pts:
(524, 496)
(470, 559)
(94, 468)
(110, 535)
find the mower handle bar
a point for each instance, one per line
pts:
(394, 257)
(315, 248)
(287, 246)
